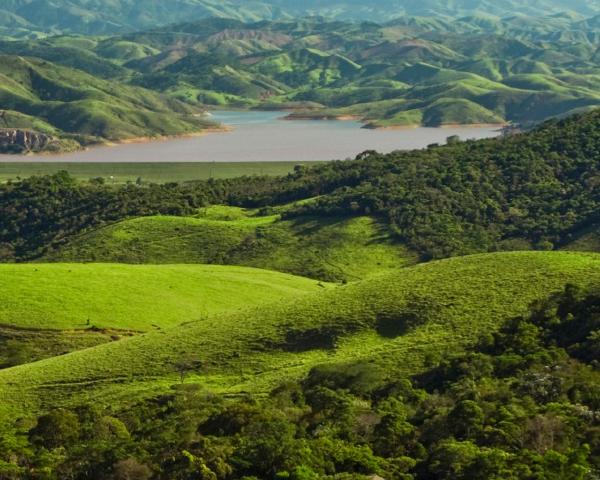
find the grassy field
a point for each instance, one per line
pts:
(334, 249)
(140, 298)
(119, 173)
(400, 320)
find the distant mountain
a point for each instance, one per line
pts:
(387, 9)
(20, 18)
(72, 108)
(411, 71)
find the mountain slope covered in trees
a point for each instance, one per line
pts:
(378, 335)
(535, 190)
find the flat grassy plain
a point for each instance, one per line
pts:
(120, 173)
(134, 297)
(400, 320)
(332, 249)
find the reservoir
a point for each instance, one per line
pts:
(259, 136)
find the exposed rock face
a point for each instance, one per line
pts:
(18, 140)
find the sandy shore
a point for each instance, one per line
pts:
(163, 138)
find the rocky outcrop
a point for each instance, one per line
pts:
(15, 140)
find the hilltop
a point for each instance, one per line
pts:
(408, 72)
(80, 109)
(399, 318)
(336, 249)
(134, 298)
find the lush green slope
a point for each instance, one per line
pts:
(470, 70)
(536, 190)
(426, 311)
(334, 249)
(139, 298)
(519, 401)
(71, 104)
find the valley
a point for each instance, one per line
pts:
(409, 72)
(258, 137)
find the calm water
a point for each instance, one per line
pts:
(263, 136)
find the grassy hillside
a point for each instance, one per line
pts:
(334, 249)
(82, 108)
(412, 71)
(423, 312)
(138, 298)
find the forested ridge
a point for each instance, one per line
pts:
(522, 404)
(530, 190)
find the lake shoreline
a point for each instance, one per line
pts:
(262, 136)
(164, 138)
(413, 126)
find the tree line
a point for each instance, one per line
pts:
(534, 190)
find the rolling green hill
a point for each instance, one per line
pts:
(338, 249)
(134, 298)
(411, 71)
(426, 311)
(70, 104)
(50, 310)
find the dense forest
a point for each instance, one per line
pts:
(522, 404)
(530, 190)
